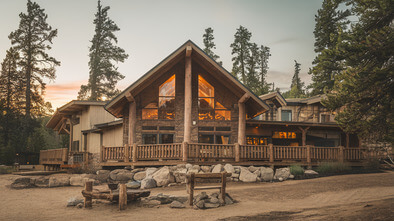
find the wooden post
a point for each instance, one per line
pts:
(122, 196)
(237, 152)
(71, 136)
(242, 119)
(88, 199)
(135, 153)
(223, 188)
(271, 152)
(341, 154)
(191, 189)
(184, 151)
(102, 154)
(308, 156)
(188, 96)
(303, 130)
(347, 140)
(132, 121)
(126, 153)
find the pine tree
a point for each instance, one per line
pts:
(10, 81)
(264, 87)
(330, 24)
(252, 68)
(240, 48)
(32, 40)
(103, 74)
(296, 87)
(363, 94)
(210, 45)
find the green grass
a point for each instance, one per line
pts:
(296, 170)
(333, 168)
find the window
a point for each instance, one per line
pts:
(166, 138)
(326, 118)
(165, 108)
(152, 138)
(206, 138)
(284, 135)
(286, 115)
(256, 140)
(208, 109)
(149, 138)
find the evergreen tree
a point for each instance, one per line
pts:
(330, 23)
(210, 45)
(364, 91)
(264, 87)
(252, 68)
(296, 87)
(103, 74)
(32, 40)
(10, 81)
(240, 48)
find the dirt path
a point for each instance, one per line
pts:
(349, 197)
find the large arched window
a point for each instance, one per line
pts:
(208, 109)
(165, 108)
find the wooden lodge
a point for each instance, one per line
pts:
(188, 108)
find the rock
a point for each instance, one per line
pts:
(73, 201)
(102, 175)
(148, 183)
(163, 176)
(283, 173)
(266, 174)
(199, 205)
(206, 169)
(136, 170)
(59, 181)
(211, 205)
(280, 179)
(196, 167)
(139, 176)
(164, 199)
(121, 175)
(42, 182)
(228, 200)
(80, 205)
(22, 183)
(246, 176)
(181, 166)
(188, 166)
(229, 168)
(214, 200)
(200, 196)
(150, 203)
(133, 185)
(235, 179)
(150, 171)
(181, 199)
(257, 173)
(79, 180)
(291, 176)
(258, 179)
(252, 169)
(217, 168)
(310, 174)
(177, 204)
(235, 175)
(180, 175)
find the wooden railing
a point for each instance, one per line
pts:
(232, 152)
(159, 151)
(54, 156)
(210, 151)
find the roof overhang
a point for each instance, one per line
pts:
(292, 123)
(275, 97)
(255, 105)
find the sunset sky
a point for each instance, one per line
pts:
(151, 30)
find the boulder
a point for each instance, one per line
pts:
(196, 167)
(257, 173)
(163, 177)
(42, 182)
(252, 169)
(237, 169)
(181, 166)
(133, 185)
(136, 170)
(229, 168)
(266, 174)
(121, 175)
(206, 169)
(148, 183)
(164, 199)
(211, 205)
(181, 199)
(188, 166)
(310, 174)
(59, 181)
(217, 168)
(200, 197)
(22, 183)
(246, 176)
(199, 205)
(283, 173)
(150, 203)
(139, 176)
(180, 175)
(102, 175)
(235, 175)
(150, 171)
(73, 201)
(177, 204)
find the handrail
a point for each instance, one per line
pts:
(214, 151)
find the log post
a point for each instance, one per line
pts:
(122, 196)
(271, 152)
(132, 121)
(135, 154)
(347, 140)
(223, 187)
(191, 189)
(308, 157)
(242, 119)
(188, 96)
(184, 151)
(341, 154)
(88, 199)
(303, 130)
(237, 152)
(126, 153)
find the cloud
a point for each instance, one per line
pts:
(60, 94)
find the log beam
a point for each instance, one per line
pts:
(188, 98)
(129, 97)
(188, 51)
(132, 122)
(242, 119)
(303, 131)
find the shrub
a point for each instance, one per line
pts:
(296, 170)
(371, 164)
(333, 167)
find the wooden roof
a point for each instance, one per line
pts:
(275, 97)
(255, 105)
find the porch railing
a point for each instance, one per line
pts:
(54, 156)
(231, 152)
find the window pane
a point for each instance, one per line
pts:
(166, 102)
(286, 115)
(149, 138)
(205, 138)
(219, 106)
(149, 114)
(168, 87)
(205, 103)
(166, 114)
(204, 88)
(166, 138)
(205, 114)
(222, 115)
(222, 139)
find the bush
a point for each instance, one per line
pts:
(333, 168)
(371, 164)
(296, 170)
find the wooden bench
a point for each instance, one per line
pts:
(191, 181)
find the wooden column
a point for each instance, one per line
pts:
(191, 189)
(347, 140)
(184, 151)
(122, 196)
(341, 154)
(271, 152)
(308, 156)
(303, 131)
(188, 96)
(135, 153)
(132, 121)
(71, 135)
(126, 153)
(88, 199)
(223, 187)
(242, 119)
(237, 152)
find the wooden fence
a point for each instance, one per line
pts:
(195, 152)
(53, 156)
